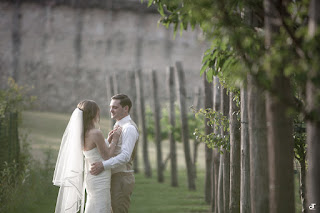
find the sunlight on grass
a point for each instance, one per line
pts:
(45, 131)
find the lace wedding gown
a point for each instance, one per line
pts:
(97, 186)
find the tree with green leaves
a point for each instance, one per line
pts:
(279, 48)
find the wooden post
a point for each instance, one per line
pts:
(134, 113)
(172, 117)
(156, 113)
(185, 126)
(139, 80)
(208, 103)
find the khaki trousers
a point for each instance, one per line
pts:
(122, 184)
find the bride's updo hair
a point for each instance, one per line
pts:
(90, 110)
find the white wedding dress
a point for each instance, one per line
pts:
(97, 186)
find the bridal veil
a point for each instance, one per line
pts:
(68, 174)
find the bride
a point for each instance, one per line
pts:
(83, 144)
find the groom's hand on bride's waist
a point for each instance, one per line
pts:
(96, 168)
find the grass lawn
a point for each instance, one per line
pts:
(45, 131)
(151, 196)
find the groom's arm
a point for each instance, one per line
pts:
(129, 138)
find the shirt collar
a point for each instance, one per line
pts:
(123, 120)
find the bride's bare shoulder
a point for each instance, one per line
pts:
(94, 134)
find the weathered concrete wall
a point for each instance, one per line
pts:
(66, 53)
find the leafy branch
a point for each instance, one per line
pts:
(218, 122)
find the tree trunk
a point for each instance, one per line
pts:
(220, 186)
(216, 154)
(303, 186)
(172, 117)
(208, 103)
(259, 176)
(156, 105)
(185, 126)
(147, 167)
(196, 143)
(226, 154)
(280, 140)
(245, 153)
(134, 114)
(313, 125)
(234, 204)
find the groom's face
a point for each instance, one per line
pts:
(116, 110)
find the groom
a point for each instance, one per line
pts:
(122, 179)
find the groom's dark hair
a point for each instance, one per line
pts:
(124, 100)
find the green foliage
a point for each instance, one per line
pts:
(299, 136)
(15, 160)
(236, 31)
(14, 98)
(217, 121)
(25, 184)
(166, 128)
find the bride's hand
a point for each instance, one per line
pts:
(110, 134)
(116, 134)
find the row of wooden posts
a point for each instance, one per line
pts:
(234, 181)
(137, 95)
(227, 175)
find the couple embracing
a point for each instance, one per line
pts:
(89, 163)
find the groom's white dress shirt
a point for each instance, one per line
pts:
(125, 146)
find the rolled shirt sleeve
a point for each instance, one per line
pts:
(129, 138)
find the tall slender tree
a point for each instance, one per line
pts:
(313, 124)
(208, 103)
(280, 141)
(226, 155)
(259, 176)
(234, 126)
(196, 142)
(245, 153)
(215, 153)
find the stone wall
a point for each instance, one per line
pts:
(66, 53)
